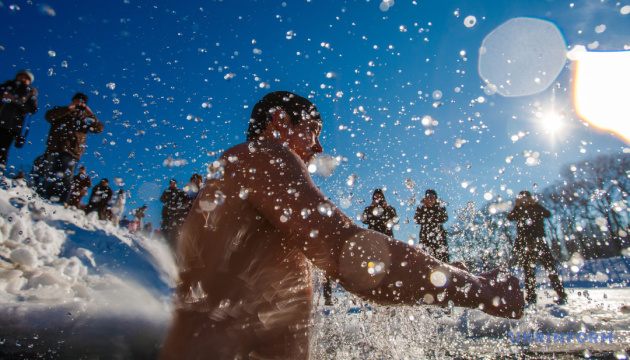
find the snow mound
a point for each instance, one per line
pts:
(107, 290)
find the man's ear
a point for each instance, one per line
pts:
(279, 119)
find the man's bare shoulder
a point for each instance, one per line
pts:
(261, 155)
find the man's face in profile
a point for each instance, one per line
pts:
(303, 138)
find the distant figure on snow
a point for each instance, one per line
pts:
(18, 99)
(81, 182)
(119, 206)
(431, 215)
(531, 247)
(172, 199)
(101, 194)
(139, 215)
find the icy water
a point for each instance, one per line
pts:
(354, 329)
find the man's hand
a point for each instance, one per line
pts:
(502, 294)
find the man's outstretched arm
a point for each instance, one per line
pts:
(365, 262)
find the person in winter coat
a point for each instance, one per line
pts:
(101, 194)
(379, 215)
(18, 99)
(119, 206)
(431, 215)
(172, 199)
(531, 247)
(184, 204)
(69, 126)
(81, 182)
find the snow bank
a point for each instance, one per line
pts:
(61, 272)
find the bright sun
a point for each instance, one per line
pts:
(552, 122)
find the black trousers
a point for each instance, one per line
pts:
(6, 139)
(530, 254)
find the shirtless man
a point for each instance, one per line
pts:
(247, 246)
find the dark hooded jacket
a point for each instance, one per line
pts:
(69, 129)
(530, 224)
(12, 114)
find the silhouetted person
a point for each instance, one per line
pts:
(172, 199)
(531, 247)
(69, 126)
(18, 99)
(183, 205)
(245, 252)
(81, 182)
(124, 223)
(99, 199)
(379, 215)
(431, 215)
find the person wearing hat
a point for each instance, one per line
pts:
(18, 99)
(379, 215)
(69, 126)
(531, 247)
(430, 216)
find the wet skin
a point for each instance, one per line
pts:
(246, 251)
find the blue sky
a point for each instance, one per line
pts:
(179, 80)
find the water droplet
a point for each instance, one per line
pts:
(314, 233)
(243, 193)
(438, 278)
(399, 283)
(305, 213)
(219, 197)
(324, 209)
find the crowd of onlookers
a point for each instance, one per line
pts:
(53, 173)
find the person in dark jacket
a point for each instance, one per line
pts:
(431, 215)
(69, 126)
(18, 99)
(379, 215)
(184, 204)
(101, 194)
(81, 182)
(172, 199)
(531, 247)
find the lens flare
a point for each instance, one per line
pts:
(602, 85)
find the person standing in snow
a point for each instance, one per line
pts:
(431, 215)
(69, 126)
(139, 215)
(19, 98)
(531, 247)
(245, 285)
(81, 182)
(101, 194)
(172, 199)
(379, 215)
(119, 206)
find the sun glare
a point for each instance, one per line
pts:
(552, 122)
(602, 85)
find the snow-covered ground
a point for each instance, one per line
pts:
(74, 287)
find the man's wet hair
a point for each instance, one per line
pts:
(296, 106)
(524, 194)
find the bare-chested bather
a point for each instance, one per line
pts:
(246, 250)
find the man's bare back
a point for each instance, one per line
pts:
(247, 246)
